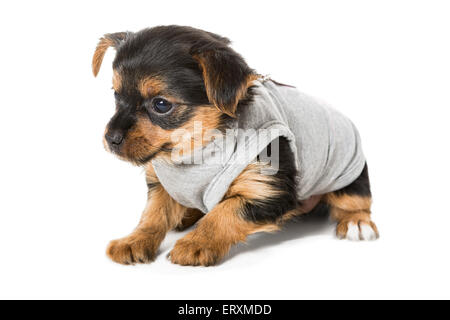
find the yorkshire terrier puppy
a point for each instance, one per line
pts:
(224, 148)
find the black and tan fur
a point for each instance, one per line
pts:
(201, 78)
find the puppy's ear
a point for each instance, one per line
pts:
(226, 74)
(108, 40)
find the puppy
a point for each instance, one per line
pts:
(224, 148)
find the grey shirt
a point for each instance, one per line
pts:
(326, 147)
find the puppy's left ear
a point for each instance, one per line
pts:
(108, 40)
(226, 75)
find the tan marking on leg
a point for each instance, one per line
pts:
(161, 214)
(349, 202)
(190, 218)
(225, 226)
(304, 207)
(215, 234)
(252, 185)
(352, 214)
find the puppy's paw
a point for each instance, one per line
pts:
(188, 252)
(132, 250)
(356, 230)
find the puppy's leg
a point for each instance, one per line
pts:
(221, 228)
(255, 202)
(161, 214)
(350, 207)
(190, 217)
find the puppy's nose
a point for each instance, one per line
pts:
(114, 138)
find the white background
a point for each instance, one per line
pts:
(386, 64)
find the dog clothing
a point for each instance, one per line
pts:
(325, 144)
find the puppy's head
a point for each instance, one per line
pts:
(166, 78)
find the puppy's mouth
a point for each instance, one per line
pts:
(138, 155)
(157, 151)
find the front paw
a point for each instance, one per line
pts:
(188, 252)
(132, 249)
(356, 230)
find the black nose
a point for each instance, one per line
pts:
(114, 138)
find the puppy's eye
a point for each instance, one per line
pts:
(161, 105)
